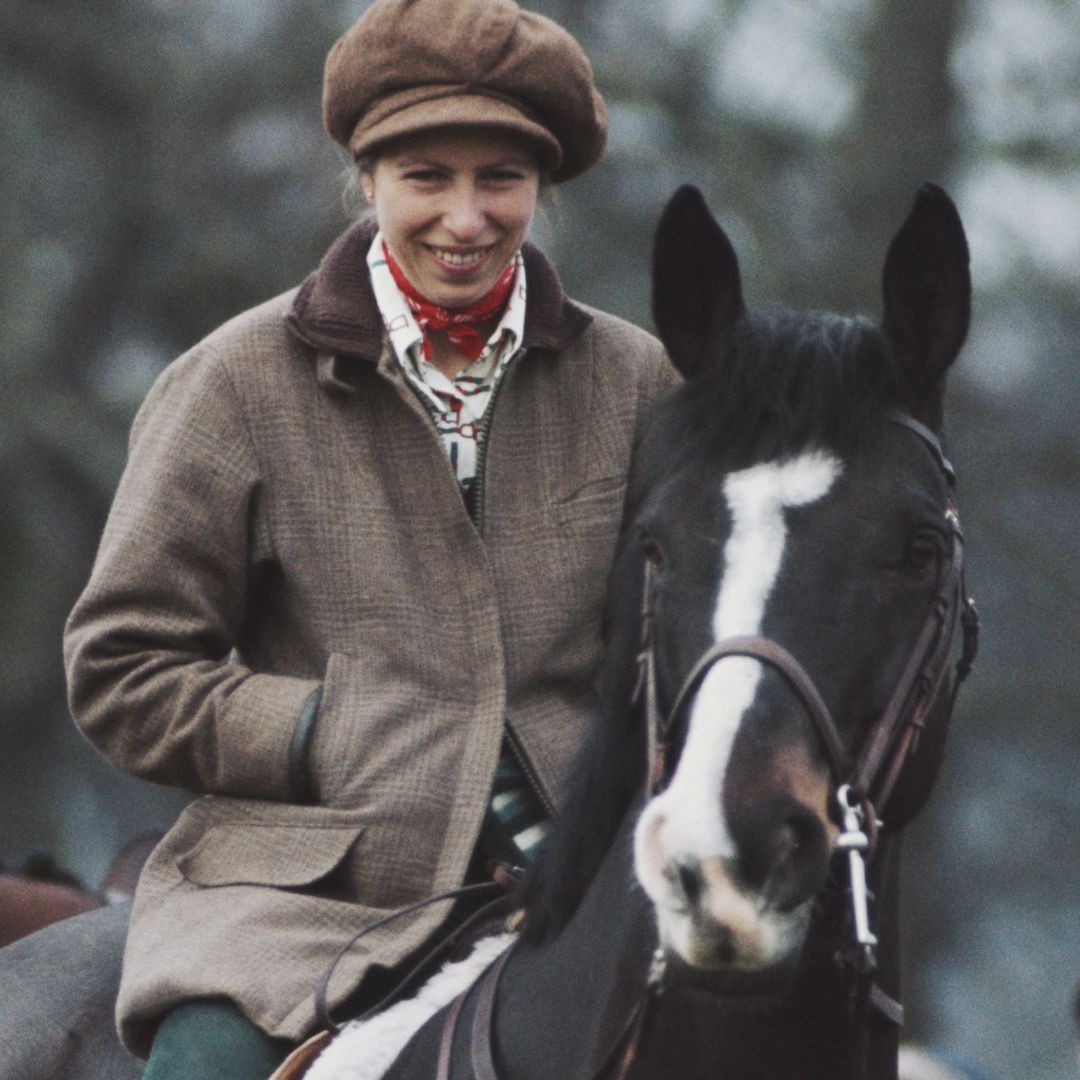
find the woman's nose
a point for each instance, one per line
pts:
(464, 213)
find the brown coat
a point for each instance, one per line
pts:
(289, 521)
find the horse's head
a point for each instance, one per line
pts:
(793, 506)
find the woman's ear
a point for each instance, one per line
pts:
(367, 186)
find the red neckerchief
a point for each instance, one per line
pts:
(462, 325)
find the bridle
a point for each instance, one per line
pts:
(863, 782)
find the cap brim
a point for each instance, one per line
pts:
(457, 111)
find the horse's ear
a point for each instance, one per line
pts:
(927, 287)
(696, 287)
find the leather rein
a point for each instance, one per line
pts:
(864, 783)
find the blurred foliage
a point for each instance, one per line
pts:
(164, 167)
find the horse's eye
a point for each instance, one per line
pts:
(921, 554)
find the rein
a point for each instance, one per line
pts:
(505, 879)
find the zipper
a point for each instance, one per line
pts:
(524, 763)
(529, 771)
(482, 443)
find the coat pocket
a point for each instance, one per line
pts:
(579, 488)
(597, 501)
(270, 853)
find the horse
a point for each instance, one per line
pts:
(59, 1024)
(785, 613)
(35, 892)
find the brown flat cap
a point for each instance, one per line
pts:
(408, 66)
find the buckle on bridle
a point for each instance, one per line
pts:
(855, 841)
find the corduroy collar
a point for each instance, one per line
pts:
(335, 310)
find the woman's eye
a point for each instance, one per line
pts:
(423, 176)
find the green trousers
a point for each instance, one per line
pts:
(211, 1039)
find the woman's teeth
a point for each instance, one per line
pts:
(455, 258)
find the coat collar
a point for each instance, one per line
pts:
(335, 312)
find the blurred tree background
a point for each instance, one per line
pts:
(163, 167)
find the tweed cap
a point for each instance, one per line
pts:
(408, 66)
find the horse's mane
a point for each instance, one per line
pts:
(786, 381)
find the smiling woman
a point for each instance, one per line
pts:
(454, 209)
(350, 589)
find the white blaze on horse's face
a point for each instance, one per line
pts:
(684, 825)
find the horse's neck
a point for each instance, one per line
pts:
(563, 1004)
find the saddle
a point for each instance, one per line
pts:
(494, 917)
(303, 1057)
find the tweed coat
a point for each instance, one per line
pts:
(293, 614)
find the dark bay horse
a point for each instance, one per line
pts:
(784, 612)
(35, 892)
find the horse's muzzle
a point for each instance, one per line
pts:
(733, 911)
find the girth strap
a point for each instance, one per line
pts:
(483, 1025)
(621, 1055)
(483, 1028)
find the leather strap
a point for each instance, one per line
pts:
(777, 657)
(483, 1062)
(887, 1005)
(919, 684)
(446, 1043)
(322, 989)
(301, 1059)
(933, 443)
(629, 1039)
(483, 1026)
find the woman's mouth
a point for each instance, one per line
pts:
(459, 260)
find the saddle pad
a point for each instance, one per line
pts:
(366, 1050)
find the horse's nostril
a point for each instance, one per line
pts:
(784, 851)
(791, 839)
(723, 945)
(687, 880)
(800, 860)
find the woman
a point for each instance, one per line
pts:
(350, 587)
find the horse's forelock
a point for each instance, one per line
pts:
(784, 381)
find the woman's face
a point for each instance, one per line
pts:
(454, 207)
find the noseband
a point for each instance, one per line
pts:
(865, 782)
